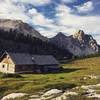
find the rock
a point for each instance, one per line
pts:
(90, 86)
(51, 94)
(79, 35)
(76, 87)
(70, 93)
(34, 96)
(92, 77)
(65, 95)
(13, 96)
(89, 92)
(84, 87)
(35, 99)
(84, 78)
(40, 92)
(89, 77)
(62, 97)
(94, 96)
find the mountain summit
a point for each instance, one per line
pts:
(79, 35)
(79, 44)
(20, 27)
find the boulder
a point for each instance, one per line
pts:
(70, 93)
(13, 96)
(35, 97)
(53, 93)
(94, 96)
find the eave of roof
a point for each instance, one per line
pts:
(28, 59)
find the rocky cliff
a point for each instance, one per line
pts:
(79, 44)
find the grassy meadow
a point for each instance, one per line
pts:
(69, 78)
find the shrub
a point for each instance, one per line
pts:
(6, 75)
(61, 86)
(61, 78)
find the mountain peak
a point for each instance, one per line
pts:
(79, 34)
(60, 34)
(8, 23)
(14, 24)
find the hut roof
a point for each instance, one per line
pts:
(23, 59)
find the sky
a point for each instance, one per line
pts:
(52, 16)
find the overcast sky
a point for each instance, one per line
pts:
(52, 16)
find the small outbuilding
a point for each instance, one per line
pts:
(27, 63)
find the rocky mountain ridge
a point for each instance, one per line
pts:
(20, 27)
(79, 44)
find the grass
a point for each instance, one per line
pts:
(69, 78)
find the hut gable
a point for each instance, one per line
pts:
(5, 58)
(7, 65)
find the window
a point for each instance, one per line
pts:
(3, 66)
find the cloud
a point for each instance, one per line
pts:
(38, 18)
(10, 11)
(68, 1)
(86, 7)
(34, 2)
(65, 20)
(71, 22)
(49, 27)
(62, 9)
(97, 38)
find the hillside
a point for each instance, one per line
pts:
(79, 44)
(19, 26)
(17, 36)
(76, 74)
